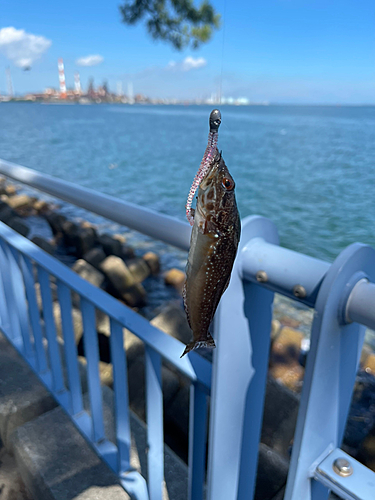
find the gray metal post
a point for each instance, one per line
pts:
(330, 373)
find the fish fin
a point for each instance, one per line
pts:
(196, 344)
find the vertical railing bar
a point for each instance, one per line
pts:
(15, 330)
(5, 321)
(197, 442)
(120, 386)
(154, 411)
(34, 318)
(50, 331)
(90, 340)
(21, 304)
(70, 347)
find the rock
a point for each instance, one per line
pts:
(290, 375)
(77, 322)
(117, 274)
(135, 296)
(286, 347)
(6, 213)
(139, 269)
(275, 329)
(127, 252)
(84, 240)
(18, 225)
(95, 257)
(133, 346)
(172, 320)
(152, 260)
(361, 418)
(111, 246)
(56, 221)
(120, 237)
(41, 207)
(290, 322)
(10, 190)
(175, 278)
(19, 201)
(369, 364)
(272, 473)
(88, 272)
(43, 244)
(279, 417)
(70, 232)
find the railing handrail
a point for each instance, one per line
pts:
(149, 222)
(196, 368)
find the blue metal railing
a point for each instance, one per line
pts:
(342, 294)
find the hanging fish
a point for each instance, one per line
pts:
(214, 241)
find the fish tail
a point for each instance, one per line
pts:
(196, 344)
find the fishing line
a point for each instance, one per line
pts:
(222, 54)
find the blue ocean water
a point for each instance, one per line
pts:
(308, 168)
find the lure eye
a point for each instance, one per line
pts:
(228, 183)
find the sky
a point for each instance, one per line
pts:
(279, 51)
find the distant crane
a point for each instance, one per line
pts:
(77, 83)
(62, 79)
(9, 82)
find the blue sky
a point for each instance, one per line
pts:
(284, 51)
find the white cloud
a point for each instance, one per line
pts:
(22, 48)
(187, 64)
(89, 60)
(190, 63)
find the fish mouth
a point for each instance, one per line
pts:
(211, 172)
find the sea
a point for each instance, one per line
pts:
(310, 169)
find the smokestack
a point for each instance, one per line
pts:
(77, 83)
(62, 79)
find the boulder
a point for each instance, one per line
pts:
(153, 262)
(120, 237)
(6, 213)
(111, 246)
(41, 207)
(117, 273)
(18, 225)
(176, 278)
(139, 269)
(77, 322)
(279, 417)
(70, 231)
(286, 347)
(43, 244)
(272, 473)
(19, 201)
(84, 240)
(135, 296)
(127, 252)
(56, 221)
(172, 320)
(88, 272)
(95, 257)
(290, 375)
(10, 190)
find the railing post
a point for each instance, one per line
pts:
(242, 335)
(330, 373)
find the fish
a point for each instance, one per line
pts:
(213, 247)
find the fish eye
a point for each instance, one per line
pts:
(228, 183)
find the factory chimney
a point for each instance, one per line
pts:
(9, 82)
(77, 84)
(62, 79)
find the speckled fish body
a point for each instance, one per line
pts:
(213, 247)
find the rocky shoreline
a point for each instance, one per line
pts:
(127, 273)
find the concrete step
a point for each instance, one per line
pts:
(57, 463)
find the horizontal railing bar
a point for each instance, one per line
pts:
(282, 270)
(361, 304)
(146, 221)
(196, 368)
